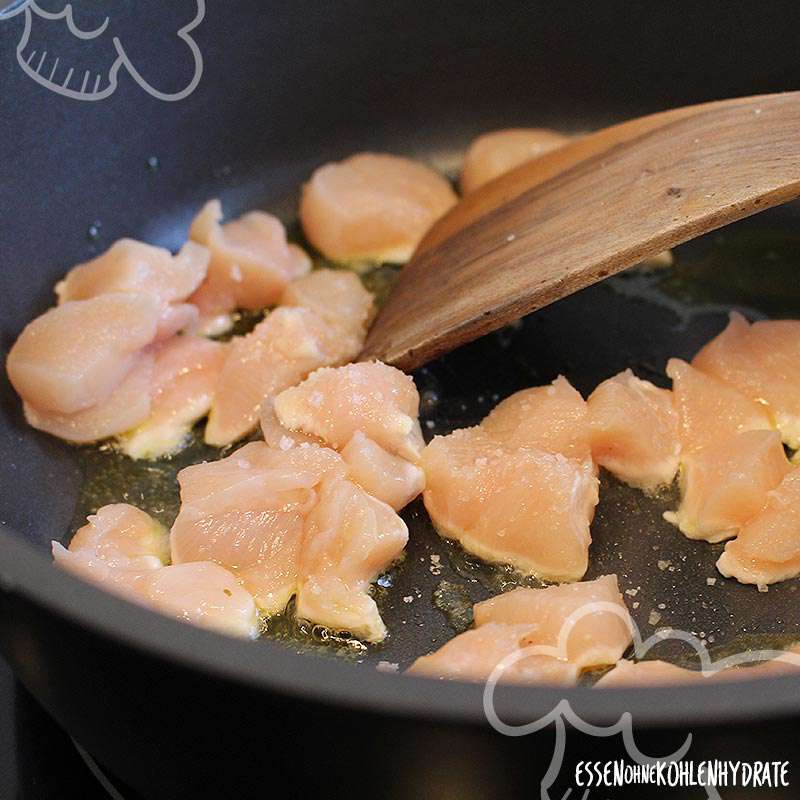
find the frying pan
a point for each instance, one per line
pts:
(180, 712)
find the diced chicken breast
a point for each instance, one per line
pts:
(767, 549)
(251, 261)
(760, 360)
(660, 673)
(74, 356)
(493, 154)
(710, 410)
(185, 375)
(246, 512)
(203, 594)
(127, 406)
(350, 537)
(590, 619)
(388, 477)
(373, 398)
(634, 431)
(278, 353)
(553, 418)
(474, 655)
(724, 485)
(275, 435)
(337, 296)
(520, 506)
(372, 207)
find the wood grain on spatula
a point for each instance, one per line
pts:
(586, 211)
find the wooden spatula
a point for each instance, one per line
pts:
(581, 213)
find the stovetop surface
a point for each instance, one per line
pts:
(38, 761)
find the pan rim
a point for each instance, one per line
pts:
(274, 668)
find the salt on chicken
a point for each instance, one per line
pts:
(634, 431)
(767, 549)
(139, 268)
(251, 264)
(538, 636)
(520, 488)
(247, 512)
(760, 360)
(186, 371)
(369, 413)
(372, 207)
(349, 538)
(125, 551)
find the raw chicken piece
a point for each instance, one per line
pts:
(204, 594)
(373, 398)
(634, 431)
(75, 355)
(246, 512)
(372, 207)
(279, 352)
(553, 418)
(473, 655)
(760, 360)
(117, 549)
(596, 636)
(519, 506)
(724, 485)
(122, 536)
(126, 407)
(251, 261)
(390, 478)
(131, 266)
(767, 549)
(709, 410)
(655, 673)
(275, 435)
(185, 377)
(498, 152)
(349, 539)
(337, 296)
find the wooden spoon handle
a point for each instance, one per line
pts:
(590, 209)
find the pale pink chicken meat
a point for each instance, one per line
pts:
(760, 360)
(278, 353)
(710, 410)
(515, 505)
(372, 207)
(75, 355)
(247, 511)
(349, 538)
(136, 267)
(335, 403)
(662, 673)
(251, 261)
(124, 550)
(127, 406)
(475, 654)
(634, 431)
(767, 549)
(185, 374)
(495, 153)
(553, 418)
(337, 296)
(388, 477)
(557, 632)
(589, 617)
(724, 485)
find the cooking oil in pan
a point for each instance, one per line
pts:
(637, 319)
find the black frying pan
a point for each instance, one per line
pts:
(178, 712)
